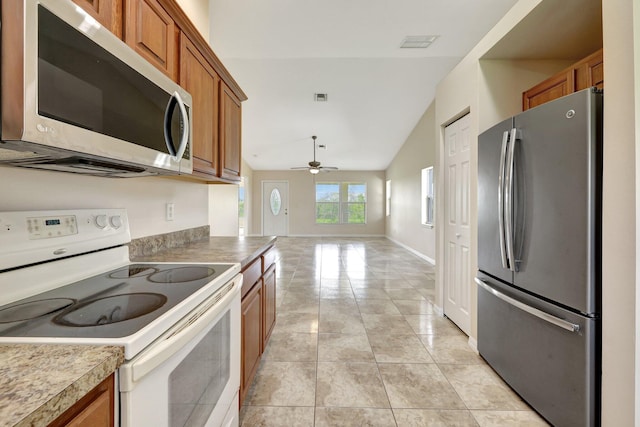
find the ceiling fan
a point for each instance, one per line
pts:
(314, 166)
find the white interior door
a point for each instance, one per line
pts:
(275, 208)
(457, 278)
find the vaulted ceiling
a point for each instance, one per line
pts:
(282, 52)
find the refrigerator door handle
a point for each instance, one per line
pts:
(503, 155)
(571, 327)
(508, 200)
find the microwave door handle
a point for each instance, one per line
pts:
(176, 99)
(503, 155)
(184, 139)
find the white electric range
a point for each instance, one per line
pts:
(65, 277)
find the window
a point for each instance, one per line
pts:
(341, 203)
(428, 197)
(388, 198)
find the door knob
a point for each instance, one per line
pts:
(458, 235)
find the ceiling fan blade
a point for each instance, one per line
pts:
(301, 168)
(329, 167)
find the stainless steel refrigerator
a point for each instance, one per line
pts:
(539, 256)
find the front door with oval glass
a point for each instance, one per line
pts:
(275, 208)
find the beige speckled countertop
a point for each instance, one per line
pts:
(215, 249)
(38, 382)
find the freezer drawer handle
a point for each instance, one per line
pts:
(571, 327)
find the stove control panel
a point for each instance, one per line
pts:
(28, 237)
(51, 226)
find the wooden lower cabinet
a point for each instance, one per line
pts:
(258, 314)
(95, 409)
(251, 342)
(587, 72)
(269, 306)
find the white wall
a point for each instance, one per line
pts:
(418, 152)
(468, 88)
(471, 88)
(501, 83)
(620, 218)
(247, 176)
(144, 198)
(302, 202)
(223, 210)
(198, 12)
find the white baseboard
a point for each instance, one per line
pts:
(438, 310)
(331, 235)
(413, 251)
(473, 344)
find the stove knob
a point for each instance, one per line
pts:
(116, 221)
(101, 221)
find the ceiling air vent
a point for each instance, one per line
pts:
(417, 42)
(320, 97)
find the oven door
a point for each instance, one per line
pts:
(191, 375)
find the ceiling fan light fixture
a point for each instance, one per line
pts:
(314, 171)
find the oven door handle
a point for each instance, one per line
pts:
(178, 336)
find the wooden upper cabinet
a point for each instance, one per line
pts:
(230, 134)
(590, 71)
(550, 89)
(198, 77)
(107, 12)
(152, 33)
(585, 73)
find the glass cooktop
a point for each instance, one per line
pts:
(114, 304)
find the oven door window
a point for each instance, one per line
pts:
(82, 84)
(196, 384)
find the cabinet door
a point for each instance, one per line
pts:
(106, 12)
(269, 307)
(230, 134)
(590, 72)
(151, 32)
(95, 409)
(251, 337)
(201, 81)
(549, 90)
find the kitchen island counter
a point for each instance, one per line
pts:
(39, 382)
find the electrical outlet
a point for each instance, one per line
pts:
(170, 211)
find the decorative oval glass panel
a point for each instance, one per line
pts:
(276, 201)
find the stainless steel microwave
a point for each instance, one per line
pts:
(75, 98)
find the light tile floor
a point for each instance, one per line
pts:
(358, 342)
